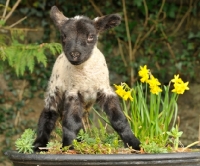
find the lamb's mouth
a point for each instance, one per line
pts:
(75, 62)
(75, 58)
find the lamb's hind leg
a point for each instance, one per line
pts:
(72, 118)
(46, 122)
(118, 121)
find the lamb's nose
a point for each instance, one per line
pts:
(75, 54)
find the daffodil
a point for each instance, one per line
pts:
(155, 89)
(153, 81)
(128, 95)
(180, 87)
(145, 78)
(176, 79)
(145, 110)
(124, 91)
(154, 85)
(144, 73)
(120, 91)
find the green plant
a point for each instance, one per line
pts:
(24, 144)
(14, 49)
(97, 141)
(175, 134)
(153, 147)
(21, 56)
(93, 141)
(152, 116)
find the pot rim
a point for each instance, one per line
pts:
(14, 155)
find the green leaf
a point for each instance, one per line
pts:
(24, 144)
(22, 57)
(30, 62)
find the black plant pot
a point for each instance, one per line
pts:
(169, 159)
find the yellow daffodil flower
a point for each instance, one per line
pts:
(128, 95)
(180, 87)
(125, 94)
(144, 73)
(120, 91)
(176, 79)
(155, 89)
(153, 81)
(144, 78)
(154, 85)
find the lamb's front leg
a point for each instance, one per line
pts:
(48, 116)
(72, 118)
(46, 124)
(119, 122)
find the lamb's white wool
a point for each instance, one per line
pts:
(88, 78)
(96, 18)
(78, 17)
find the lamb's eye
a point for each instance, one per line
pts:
(90, 38)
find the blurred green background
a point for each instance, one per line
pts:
(163, 34)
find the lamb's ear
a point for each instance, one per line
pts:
(57, 17)
(107, 22)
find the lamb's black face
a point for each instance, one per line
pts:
(78, 37)
(79, 34)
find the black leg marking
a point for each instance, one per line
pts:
(45, 125)
(72, 119)
(119, 122)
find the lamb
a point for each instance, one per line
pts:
(79, 79)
